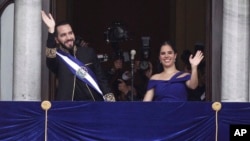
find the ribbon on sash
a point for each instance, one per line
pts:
(80, 70)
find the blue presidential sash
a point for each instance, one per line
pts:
(79, 69)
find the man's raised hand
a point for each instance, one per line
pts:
(49, 21)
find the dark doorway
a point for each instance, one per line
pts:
(183, 22)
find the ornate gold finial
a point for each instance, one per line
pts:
(46, 105)
(216, 106)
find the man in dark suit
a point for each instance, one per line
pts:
(79, 73)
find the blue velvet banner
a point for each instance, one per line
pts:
(123, 121)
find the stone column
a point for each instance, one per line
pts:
(235, 51)
(27, 50)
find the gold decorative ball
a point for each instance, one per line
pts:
(216, 106)
(46, 105)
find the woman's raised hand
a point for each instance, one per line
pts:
(195, 61)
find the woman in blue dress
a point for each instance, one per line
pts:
(172, 84)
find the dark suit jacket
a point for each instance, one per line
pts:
(69, 86)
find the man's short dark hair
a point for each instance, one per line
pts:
(60, 24)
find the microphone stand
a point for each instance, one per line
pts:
(132, 80)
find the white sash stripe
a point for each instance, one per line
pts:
(77, 67)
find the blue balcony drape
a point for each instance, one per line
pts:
(123, 121)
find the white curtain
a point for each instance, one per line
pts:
(235, 51)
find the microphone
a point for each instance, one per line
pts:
(107, 35)
(132, 53)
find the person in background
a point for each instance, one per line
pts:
(185, 59)
(171, 84)
(114, 73)
(79, 73)
(126, 91)
(142, 76)
(119, 80)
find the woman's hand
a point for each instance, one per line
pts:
(195, 61)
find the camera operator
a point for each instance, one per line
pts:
(142, 76)
(115, 71)
(119, 80)
(125, 88)
(143, 68)
(144, 63)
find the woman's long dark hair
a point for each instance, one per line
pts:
(159, 65)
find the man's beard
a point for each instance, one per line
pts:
(70, 48)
